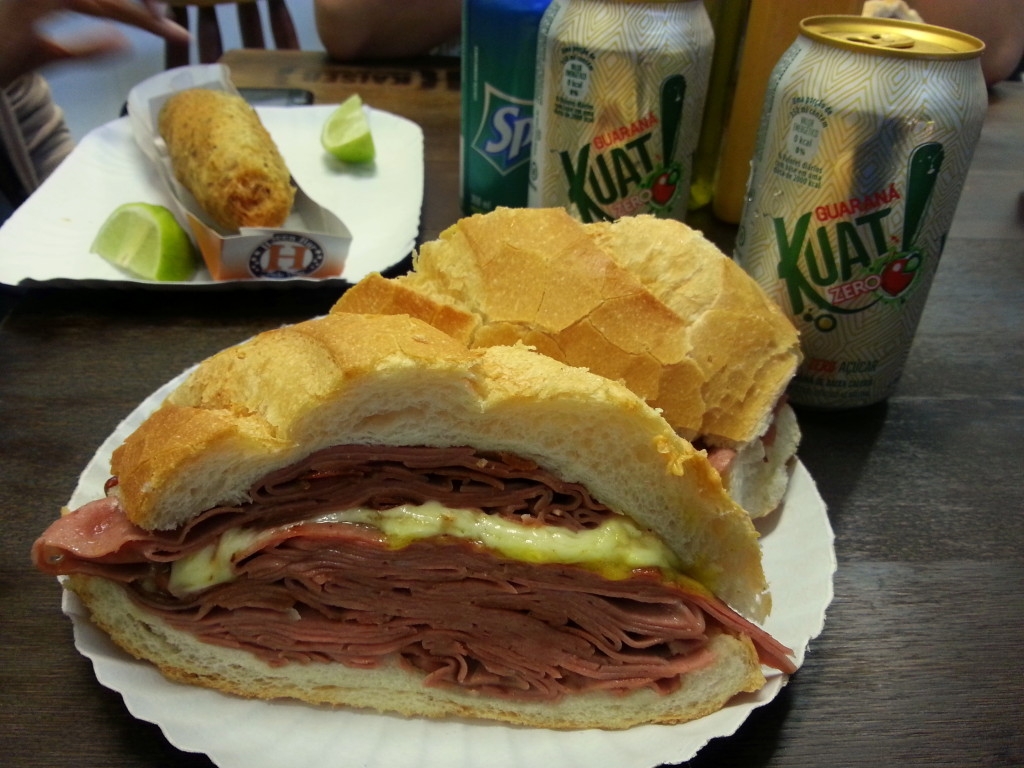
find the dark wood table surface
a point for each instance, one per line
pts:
(920, 662)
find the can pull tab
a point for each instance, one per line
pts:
(882, 40)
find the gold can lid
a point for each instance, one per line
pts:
(891, 37)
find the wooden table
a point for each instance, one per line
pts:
(920, 662)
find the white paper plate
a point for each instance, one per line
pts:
(799, 559)
(48, 237)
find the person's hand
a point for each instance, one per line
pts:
(24, 48)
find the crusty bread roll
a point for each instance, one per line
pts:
(222, 154)
(745, 349)
(391, 380)
(646, 301)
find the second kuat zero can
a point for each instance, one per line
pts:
(867, 133)
(617, 106)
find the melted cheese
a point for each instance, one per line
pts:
(616, 547)
(213, 564)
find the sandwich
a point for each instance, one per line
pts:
(360, 511)
(649, 302)
(224, 156)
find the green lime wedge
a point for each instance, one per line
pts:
(147, 241)
(346, 134)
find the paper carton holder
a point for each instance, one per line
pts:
(313, 242)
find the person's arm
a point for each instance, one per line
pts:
(997, 23)
(24, 48)
(352, 29)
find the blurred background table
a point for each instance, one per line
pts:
(920, 661)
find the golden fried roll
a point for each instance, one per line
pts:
(223, 155)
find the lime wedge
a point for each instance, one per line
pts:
(147, 241)
(346, 134)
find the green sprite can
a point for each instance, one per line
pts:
(867, 132)
(618, 105)
(499, 44)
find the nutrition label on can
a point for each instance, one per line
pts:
(573, 101)
(797, 161)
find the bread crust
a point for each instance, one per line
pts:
(744, 346)
(222, 154)
(649, 302)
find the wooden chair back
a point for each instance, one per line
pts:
(200, 18)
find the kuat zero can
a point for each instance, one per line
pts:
(617, 106)
(499, 44)
(865, 139)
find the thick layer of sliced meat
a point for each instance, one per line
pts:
(454, 611)
(337, 478)
(371, 476)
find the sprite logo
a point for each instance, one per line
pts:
(505, 132)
